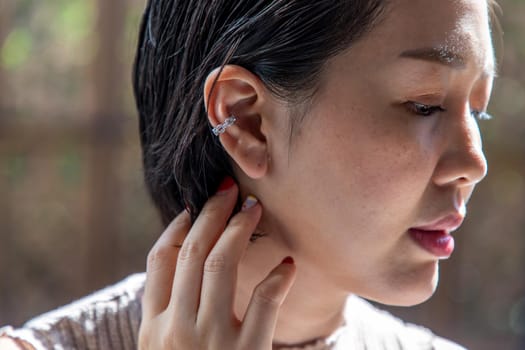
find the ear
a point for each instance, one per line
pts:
(235, 91)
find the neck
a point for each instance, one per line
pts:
(312, 308)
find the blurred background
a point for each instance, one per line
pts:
(74, 215)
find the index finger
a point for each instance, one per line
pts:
(161, 263)
(202, 237)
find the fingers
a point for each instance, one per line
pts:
(161, 264)
(220, 268)
(261, 316)
(197, 282)
(196, 247)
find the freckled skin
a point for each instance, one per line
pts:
(363, 168)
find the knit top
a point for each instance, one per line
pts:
(110, 319)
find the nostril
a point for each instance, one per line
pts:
(481, 167)
(460, 167)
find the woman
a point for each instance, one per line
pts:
(348, 130)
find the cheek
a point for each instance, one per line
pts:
(361, 172)
(375, 162)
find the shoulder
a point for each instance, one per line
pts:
(107, 319)
(375, 328)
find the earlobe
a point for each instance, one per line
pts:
(234, 99)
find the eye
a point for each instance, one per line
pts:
(423, 109)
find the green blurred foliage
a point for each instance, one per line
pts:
(15, 169)
(74, 21)
(16, 49)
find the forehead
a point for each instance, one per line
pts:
(456, 27)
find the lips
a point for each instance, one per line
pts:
(435, 237)
(438, 243)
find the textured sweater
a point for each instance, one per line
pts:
(110, 319)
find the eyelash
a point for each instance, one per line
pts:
(424, 110)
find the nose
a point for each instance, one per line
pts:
(462, 162)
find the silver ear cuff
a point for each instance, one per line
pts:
(221, 128)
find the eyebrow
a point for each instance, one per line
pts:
(444, 57)
(437, 55)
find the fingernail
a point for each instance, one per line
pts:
(225, 185)
(288, 260)
(249, 202)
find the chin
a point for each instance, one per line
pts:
(409, 288)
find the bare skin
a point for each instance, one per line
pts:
(176, 316)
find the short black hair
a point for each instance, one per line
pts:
(283, 42)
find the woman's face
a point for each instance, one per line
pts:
(389, 144)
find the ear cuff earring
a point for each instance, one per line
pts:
(221, 128)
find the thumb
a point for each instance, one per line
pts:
(261, 316)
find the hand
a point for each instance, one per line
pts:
(189, 292)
